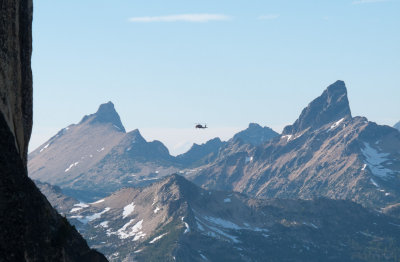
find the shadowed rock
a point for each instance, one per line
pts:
(31, 230)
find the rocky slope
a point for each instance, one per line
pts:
(397, 126)
(174, 220)
(31, 230)
(61, 202)
(326, 152)
(199, 155)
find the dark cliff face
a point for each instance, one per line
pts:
(16, 74)
(31, 230)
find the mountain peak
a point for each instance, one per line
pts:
(255, 134)
(106, 114)
(135, 136)
(330, 106)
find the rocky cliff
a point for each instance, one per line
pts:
(31, 230)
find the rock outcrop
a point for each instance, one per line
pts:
(31, 230)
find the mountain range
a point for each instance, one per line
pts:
(325, 189)
(175, 220)
(325, 152)
(96, 157)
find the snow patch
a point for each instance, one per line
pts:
(78, 207)
(187, 229)
(46, 146)
(364, 166)
(104, 224)
(336, 124)
(288, 137)
(128, 210)
(375, 160)
(81, 204)
(156, 210)
(75, 209)
(222, 223)
(249, 159)
(374, 183)
(157, 238)
(97, 202)
(203, 257)
(134, 232)
(76, 216)
(94, 216)
(71, 166)
(310, 224)
(227, 200)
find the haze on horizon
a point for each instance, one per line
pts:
(225, 64)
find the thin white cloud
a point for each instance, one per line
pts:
(367, 1)
(194, 18)
(268, 17)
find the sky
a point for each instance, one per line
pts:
(167, 65)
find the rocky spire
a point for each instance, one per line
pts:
(331, 106)
(105, 114)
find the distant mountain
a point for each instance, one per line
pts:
(174, 220)
(201, 154)
(397, 126)
(255, 135)
(97, 157)
(326, 152)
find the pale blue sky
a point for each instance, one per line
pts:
(169, 64)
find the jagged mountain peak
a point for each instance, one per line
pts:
(330, 106)
(254, 125)
(105, 114)
(135, 136)
(255, 134)
(213, 141)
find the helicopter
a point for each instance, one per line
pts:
(200, 126)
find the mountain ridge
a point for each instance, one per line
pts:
(344, 158)
(175, 220)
